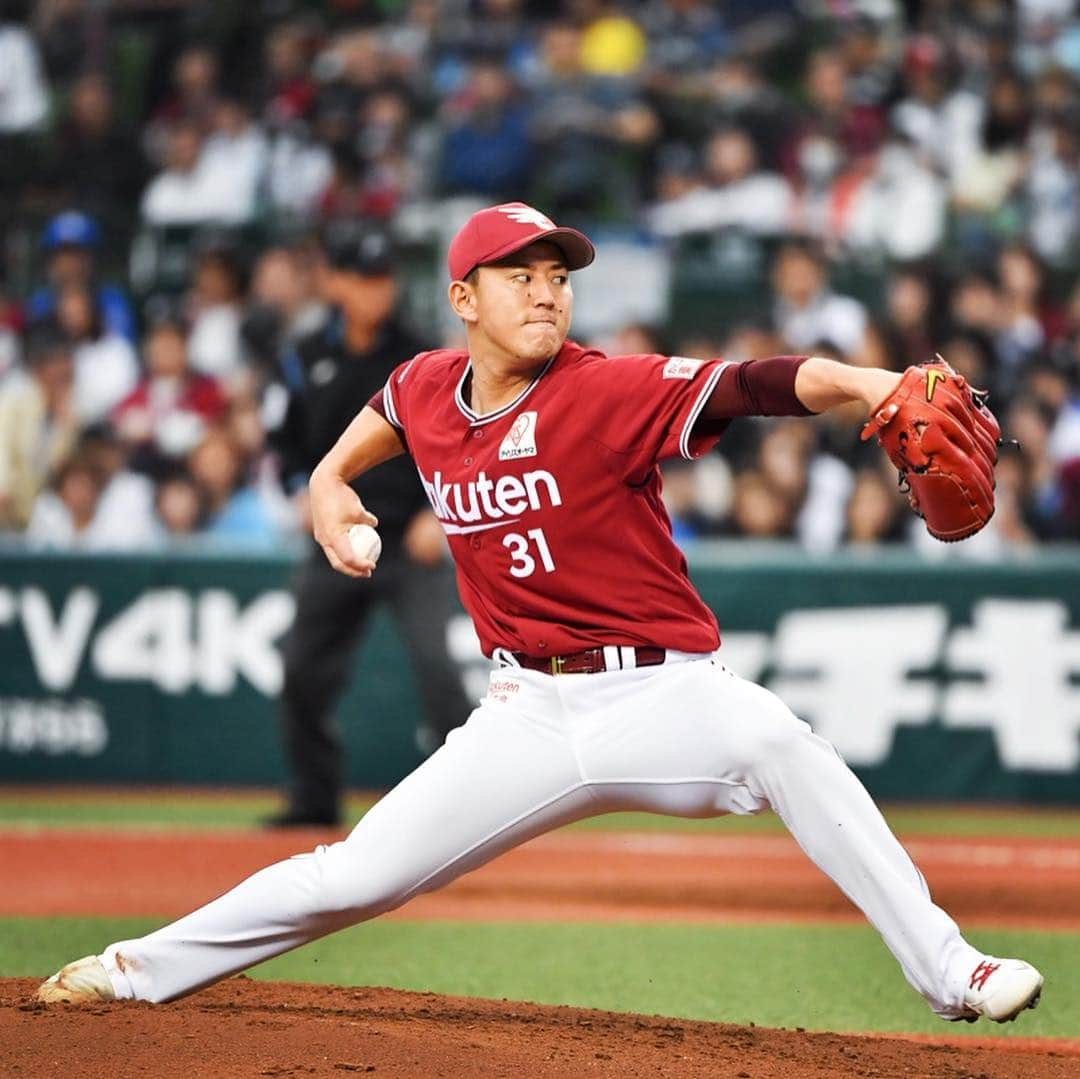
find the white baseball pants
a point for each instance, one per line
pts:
(687, 738)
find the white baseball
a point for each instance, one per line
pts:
(365, 543)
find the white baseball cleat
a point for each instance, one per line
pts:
(83, 982)
(1000, 989)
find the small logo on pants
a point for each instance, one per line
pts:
(502, 689)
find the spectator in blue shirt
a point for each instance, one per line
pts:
(486, 150)
(237, 510)
(69, 242)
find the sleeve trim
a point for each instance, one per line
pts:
(699, 404)
(388, 404)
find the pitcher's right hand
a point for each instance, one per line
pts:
(335, 508)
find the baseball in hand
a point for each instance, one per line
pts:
(365, 543)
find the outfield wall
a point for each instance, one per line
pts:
(939, 680)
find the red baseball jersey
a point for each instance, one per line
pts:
(552, 504)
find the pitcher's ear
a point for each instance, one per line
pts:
(463, 300)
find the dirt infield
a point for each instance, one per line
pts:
(243, 1028)
(633, 876)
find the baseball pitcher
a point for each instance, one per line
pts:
(607, 690)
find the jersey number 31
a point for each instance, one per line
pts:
(522, 563)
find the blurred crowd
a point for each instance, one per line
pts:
(907, 173)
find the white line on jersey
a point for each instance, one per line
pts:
(699, 404)
(464, 530)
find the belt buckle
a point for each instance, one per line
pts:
(556, 664)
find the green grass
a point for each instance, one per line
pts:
(153, 809)
(237, 809)
(916, 819)
(817, 977)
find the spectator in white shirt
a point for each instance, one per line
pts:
(300, 168)
(63, 514)
(24, 95)
(736, 193)
(900, 209)
(234, 160)
(942, 122)
(198, 187)
(174, 196)
(216, 299)
(806, 309)
(1052, 188)
(95, 503)
(106, 367)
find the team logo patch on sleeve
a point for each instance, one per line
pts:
(682, 367)
(520, 440)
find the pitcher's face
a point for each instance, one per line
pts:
(522, 304)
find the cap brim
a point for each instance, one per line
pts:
(576, 247)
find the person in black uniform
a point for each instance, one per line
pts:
(329, 377)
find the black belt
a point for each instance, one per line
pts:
(591, 661)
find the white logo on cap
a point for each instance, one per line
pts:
(526, 215)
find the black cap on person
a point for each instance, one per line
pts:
(360, 247)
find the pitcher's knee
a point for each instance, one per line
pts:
(349, 884)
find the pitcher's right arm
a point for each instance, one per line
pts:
(335, 506)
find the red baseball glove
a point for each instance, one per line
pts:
(943, 438)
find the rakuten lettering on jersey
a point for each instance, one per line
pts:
(485, 503)
(551, 505)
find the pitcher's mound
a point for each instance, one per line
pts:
(244, 1028)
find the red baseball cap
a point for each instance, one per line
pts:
(498, 231)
